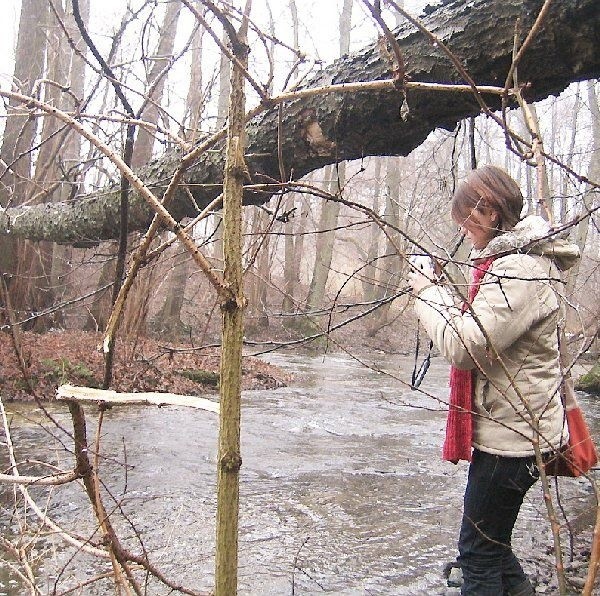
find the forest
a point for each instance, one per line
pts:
(195, 192)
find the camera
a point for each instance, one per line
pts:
(424, 263)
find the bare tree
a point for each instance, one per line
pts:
(156, 78)
(330, 210)
(18, 258)
(291, 263)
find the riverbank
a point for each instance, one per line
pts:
(150, 364)
(74, 357)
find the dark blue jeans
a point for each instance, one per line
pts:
(493, 498)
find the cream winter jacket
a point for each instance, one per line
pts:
(516, 367)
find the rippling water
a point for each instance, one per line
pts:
(342, 490)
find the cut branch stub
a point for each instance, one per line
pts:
(312, 134)
(230, 462)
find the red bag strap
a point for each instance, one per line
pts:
(567, 387)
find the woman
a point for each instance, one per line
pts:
(505, 374)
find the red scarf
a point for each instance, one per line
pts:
(459, 424)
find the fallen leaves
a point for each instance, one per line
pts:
(73, 357)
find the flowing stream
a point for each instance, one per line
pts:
(342, 489)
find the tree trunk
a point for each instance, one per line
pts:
(20, 129)
(388, 280)
(259, 272)
(325, 240)
(229, 456)
(136, 310)
(330, 210)
(222, 110)
(369, 277)
(144, 142)
(71, 148)
(544, 206)
(99, 311)
(169, 321)
(291, 264)
(42, 272)
(480, 32)
(390, 266)
(194, 104)
(571, 151)
(20, 260)
(291, 261)
(169, 317)
(593, 173)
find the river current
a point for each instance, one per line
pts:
(342, 489)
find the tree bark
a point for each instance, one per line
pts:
(389, 272)
(257, 316)
(479, 32)
(196, 95)
(330, 211)
(17, 258)
(20, 129)
(229, 455)
(144, 142)
(169, 317)
(42, 261)
(168, 320)
(291, 262)
(590, 194)
(325, 240)
(369, 276)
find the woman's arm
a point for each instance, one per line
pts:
(514, 294)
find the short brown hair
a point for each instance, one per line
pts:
(489, 187)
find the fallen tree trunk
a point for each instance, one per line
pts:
(323, 129)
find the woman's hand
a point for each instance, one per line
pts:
(418, 281)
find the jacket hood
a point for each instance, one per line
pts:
(532, 235)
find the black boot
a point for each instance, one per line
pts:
(453, 574)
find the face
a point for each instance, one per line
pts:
(480, 227)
